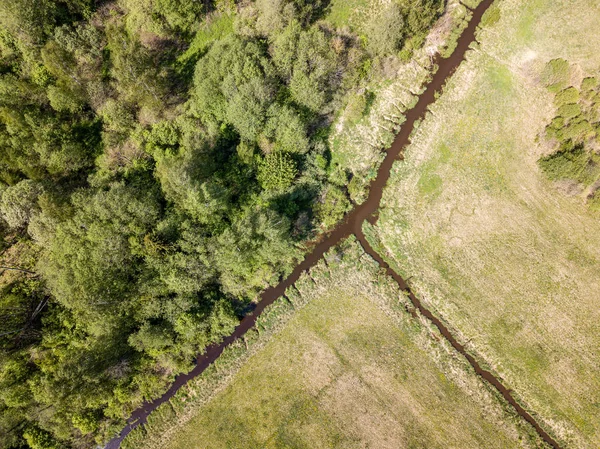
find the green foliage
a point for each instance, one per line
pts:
(566, 96)
(570, 163)
(332, 207)
(589, 83)
(247, 107)
(343, 13)
(385, 30)
(272, 16)
(578, 130)
(145, 189)
(555, 74)
(593, 201)
(39, 439)
(18, 203)
(218, 27)
(314, 63)
(162, 17)
(388, 26)
(276, 171)
(138, 78)
(575, 127)
(28, 20)
(245, 151)
(85, 423)
(491, 16)
(356, 107)
(62, 100)
(286, 129)
(568, 111)
(232, 85)
(253, 252)
(94, 256)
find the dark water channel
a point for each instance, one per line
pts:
(353, 225)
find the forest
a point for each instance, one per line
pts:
(161, 163)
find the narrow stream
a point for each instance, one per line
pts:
(488, 376)
(353, 225)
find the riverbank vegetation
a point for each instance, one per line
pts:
(161, 162)
(506, 257)
(338, 362)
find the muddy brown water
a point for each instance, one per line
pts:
(353, 225)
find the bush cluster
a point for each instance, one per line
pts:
(575, 128)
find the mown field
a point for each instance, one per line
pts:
(354, 369)
(507, 258)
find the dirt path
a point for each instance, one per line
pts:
(353, 225)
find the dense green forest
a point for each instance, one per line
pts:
(161, 162)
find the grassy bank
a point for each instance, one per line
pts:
(371, 114)
(349, 368)
(507, 258)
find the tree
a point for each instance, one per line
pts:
(234, 84)
(183, 266)
(38, 144)
(28, 20)
(314, 64)
(138, 78)
(74, 58)
(93, 263)
(18, 203)
(185, 182)
(385, 30)
(277, 171)
(40, 439)
(332, 207)
(285, 127)
(253, 252)
(162, 17)
(246, 109)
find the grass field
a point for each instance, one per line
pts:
(353, 369)
(508, 259)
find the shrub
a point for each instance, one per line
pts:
(569, 110)
(555, 74)
(568, 163)
(40, 439)
(332, 207)
(577, 131)
(491, 16)
(385, 31)
(589, 83)
(569, 95)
